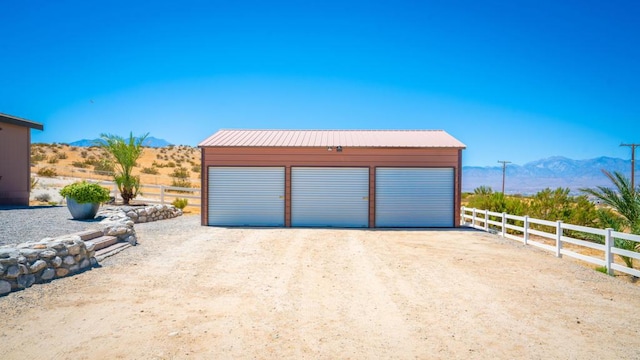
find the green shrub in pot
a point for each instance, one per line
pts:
(85, 192)
(84, 198)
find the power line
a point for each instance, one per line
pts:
(504, 170)
(633, 164)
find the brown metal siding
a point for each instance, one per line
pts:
(319, 156)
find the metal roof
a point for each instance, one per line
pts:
(13, 120)
(321, 138)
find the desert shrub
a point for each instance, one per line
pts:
(37, 157)
(79, 164)
(180, 173)
(171, 164)
(150, 170)
(44, 197)
(103, 166)
(181, 183)
(47, 172)
(195, 169)
(53, 160)
(34, 182)
(180, 203)
(84, 154)
(62, 155)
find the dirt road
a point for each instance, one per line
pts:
(191, 292)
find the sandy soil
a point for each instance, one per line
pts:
(200, 293)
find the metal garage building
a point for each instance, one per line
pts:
(331, 178)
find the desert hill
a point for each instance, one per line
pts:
(170, 165)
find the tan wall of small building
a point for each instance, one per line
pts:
(15, 171)
(321, 157)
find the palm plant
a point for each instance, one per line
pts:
(626, 202)
(125, 153)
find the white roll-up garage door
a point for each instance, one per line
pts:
(323, 196)
(414, 197)
(246, 196)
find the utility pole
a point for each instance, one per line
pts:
(633, 164)
(504, 170)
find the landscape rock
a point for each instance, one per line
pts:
(56, 261)
(62, 272)
(5, 287)
(47, 254)
(12, 272)
(48, 274)
(25, 281)
(37, 266)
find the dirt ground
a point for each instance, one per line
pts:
(191, 292)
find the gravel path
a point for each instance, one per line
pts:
(18, 225)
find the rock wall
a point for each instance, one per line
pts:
(37, 262)
(151, 213)
(42, 261)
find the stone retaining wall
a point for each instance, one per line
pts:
(151, 213)
(42, 261)
(36, 262)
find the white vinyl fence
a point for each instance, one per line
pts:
(159, 194)
(521, 230)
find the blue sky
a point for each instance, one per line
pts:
(513, 80)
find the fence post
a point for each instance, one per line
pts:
(462, 220)
(526, 229)
(162, 194)
(504, 224)
(473, 218)
(559, 238)
(486, 220)
(608, 256)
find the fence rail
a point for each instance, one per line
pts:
(521, 230)
(159, 194)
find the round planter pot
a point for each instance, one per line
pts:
(82, 211)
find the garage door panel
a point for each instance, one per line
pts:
(246, 196)
(329, 197)
(414, 197)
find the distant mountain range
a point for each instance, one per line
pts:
(149, 142)
(551, 173)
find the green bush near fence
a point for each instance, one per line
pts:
(551, 205)
(180, 203)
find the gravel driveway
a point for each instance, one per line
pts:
(22, 224)
(192, 292)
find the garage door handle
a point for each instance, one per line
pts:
(281, 197)
(365, 198)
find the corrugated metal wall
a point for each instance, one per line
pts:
(246, 196)
(414, 197)
(329, 196)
